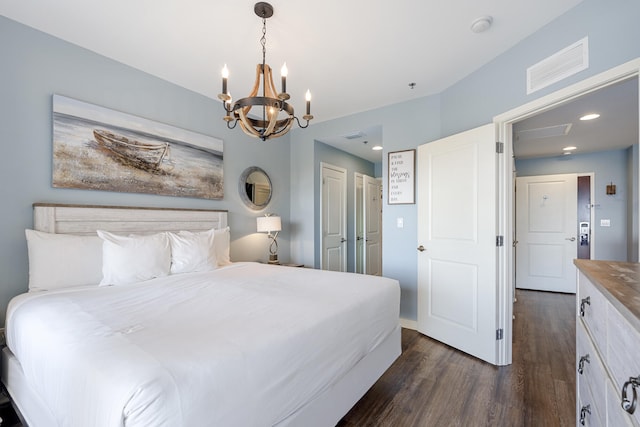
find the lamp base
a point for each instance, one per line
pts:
(273, 259)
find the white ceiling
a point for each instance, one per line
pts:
(353, 55)
(616, 128)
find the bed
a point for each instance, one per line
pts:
(239, 343)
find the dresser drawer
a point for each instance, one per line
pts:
(591, 382)
(589, 413)
(623, 354)
(593, 371)
(616, 416)
(594, 305)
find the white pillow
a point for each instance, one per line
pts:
(221, 242)
(134, 258)
(192, 252)
(62, 260)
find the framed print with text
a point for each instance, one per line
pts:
(401, 176)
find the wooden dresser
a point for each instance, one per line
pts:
(608, 343)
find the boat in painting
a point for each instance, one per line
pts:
(143, 155)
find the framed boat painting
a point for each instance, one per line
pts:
(97, 148)
(401, 175)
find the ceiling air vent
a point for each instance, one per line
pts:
(545, 132)
(354, 135)
(558, 66)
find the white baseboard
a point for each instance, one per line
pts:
(409, 324)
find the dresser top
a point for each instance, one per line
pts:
(619, 282)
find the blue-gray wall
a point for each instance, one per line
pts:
(34, 67)
(607, 167)
(495, 88)
(399, 131)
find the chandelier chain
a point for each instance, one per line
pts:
(263, 40)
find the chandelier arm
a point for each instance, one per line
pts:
(235, 123)
(246, 125)
(284, 129)
(299, 125)
(266, 132)
(254, 90)
(269, 87)
(272, 113)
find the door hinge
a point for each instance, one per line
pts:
(499, 334)
(499, 147)
(499, 241)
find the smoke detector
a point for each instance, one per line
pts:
(481, 24)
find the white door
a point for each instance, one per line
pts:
(334, 218)
(546, 224)
(373, 226)
(457, 222)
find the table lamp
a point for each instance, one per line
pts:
(270, 224)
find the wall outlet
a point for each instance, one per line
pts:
(400, 222)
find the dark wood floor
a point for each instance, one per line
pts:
(432, 384)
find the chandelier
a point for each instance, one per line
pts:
(272, 115)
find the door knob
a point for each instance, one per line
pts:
(421, 248)
(342, 240)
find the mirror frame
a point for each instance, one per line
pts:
(243, 190)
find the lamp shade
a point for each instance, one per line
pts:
(267, 224)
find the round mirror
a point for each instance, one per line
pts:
(255, 188)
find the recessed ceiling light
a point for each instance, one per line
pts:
(570, 148)
(590, 116)
(377, 147)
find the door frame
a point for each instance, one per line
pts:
(506, 221)
(592, 216)
(358, 208)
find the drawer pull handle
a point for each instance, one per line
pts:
(583, 413)
(583, 359)
(584, 301)
(630, 405)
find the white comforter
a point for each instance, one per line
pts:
(245, 345)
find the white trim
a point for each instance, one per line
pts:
(409, 324)
(357, 177)
(504, 124)
(592, 217)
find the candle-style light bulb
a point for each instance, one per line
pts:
(283, 72)
(308, 98)
(225, 76)
(228, 102)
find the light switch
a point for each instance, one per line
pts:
(605, 223)
(400, 222)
